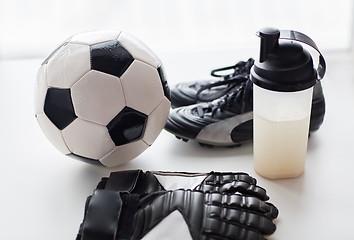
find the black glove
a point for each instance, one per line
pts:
(137, 181)
(142, 209)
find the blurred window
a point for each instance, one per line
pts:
(33, 28)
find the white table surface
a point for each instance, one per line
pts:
(43, 192)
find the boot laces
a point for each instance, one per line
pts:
(240, 74)
(235, 101)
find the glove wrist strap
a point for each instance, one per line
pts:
(102, 214)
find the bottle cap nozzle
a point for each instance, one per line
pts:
(269, 41)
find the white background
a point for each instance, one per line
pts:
(43, 192)
(34, 28)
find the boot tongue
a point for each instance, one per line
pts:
(238, 102)
(243, 68)
(241, 101)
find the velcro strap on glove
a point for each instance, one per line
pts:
(131, 181)
(102, 214)
(137, 181)
(109, 215)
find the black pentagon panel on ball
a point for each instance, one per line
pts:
(166, 89)
(59, 108)
(85, 159)
(110, 57)
(129, 125)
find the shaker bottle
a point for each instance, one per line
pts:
(283, 79)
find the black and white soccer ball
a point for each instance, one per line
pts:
(102, 97)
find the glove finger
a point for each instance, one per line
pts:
(245, 189)
(217, 228)
(233, 183)
(247, 211)
(243, 202)
(232, 223)
(245, 219)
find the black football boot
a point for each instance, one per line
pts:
(228, 121)
(188, 93)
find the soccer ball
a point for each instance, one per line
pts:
(102, 97)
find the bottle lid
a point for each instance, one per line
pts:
(285, 66)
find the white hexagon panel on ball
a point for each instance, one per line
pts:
(142, 87)
(156, 121)
(94, 37)
(124, 153)
(52, 133)
(40, 89)
(139, 50)
(88, 139)
(98, 97)
(69, 63)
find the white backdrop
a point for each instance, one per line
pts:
(34, 28)
(43, 192)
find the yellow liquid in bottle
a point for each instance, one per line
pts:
(280, 147)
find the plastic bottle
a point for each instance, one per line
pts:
(283, 79)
